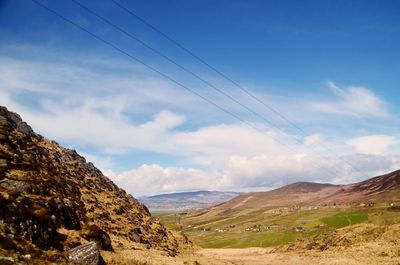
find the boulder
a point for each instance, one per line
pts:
(15, 185)
(6, 260)
(87, 254)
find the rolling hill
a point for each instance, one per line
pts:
(296, 211)
(383, 188)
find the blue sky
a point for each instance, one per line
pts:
(330, 67)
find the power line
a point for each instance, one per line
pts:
(161, 73)
(130, 35)
(172, 61)
(250, 94)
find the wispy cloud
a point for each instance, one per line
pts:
(372, 144)
(115, 112)
(353, 101)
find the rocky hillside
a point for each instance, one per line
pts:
(52, 200)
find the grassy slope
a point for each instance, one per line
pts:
(277, 226)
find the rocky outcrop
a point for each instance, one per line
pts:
(52, 200)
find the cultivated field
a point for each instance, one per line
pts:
(271, 228)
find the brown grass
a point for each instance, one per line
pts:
(369, 244)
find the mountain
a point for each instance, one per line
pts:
(52, 201)
(385, 188)
(378, 185)
(186, 200)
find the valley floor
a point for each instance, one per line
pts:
(367, 244)
(257, 256)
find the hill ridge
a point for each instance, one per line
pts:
(383, 188)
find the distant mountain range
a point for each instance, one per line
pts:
(186, 200)
(385, 188)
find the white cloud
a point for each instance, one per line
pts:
(87, 112)
(353, 101)
(372, 144)
(100, 161)
(312, 140)
(213, 145)
(111, 175)
(121, 113)
(151, 179)
(107, 132)
(254, 173)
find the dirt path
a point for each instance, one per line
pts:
(242, 202)
(367, 254)
(261, 256)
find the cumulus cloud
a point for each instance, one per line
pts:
(372, 144)
(151, 179)
(213, 145)
(353, 101)
(92, 105)
(258, 173)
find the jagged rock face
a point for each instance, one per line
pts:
(45, 188)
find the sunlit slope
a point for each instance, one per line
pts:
(385, 188)
(299, 210)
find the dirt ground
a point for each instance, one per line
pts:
(363, 255)
(366, 244)
(258, 256)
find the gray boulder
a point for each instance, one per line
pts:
(87, 254)
(6, 260)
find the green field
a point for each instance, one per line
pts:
(345, 219)
(265, 229)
